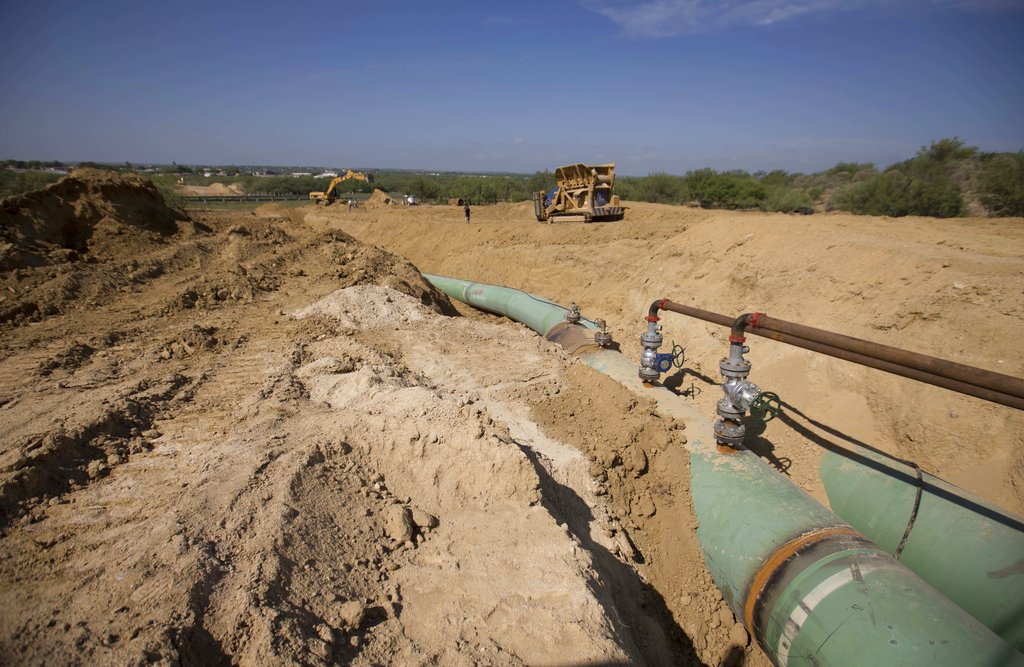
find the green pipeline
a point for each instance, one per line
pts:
(538, 314)
(811, 590)
(970, 550)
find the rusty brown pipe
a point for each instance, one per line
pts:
(936, 378)
(979, 377)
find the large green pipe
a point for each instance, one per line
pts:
(970, 550)
(811, 590)
(538, 314)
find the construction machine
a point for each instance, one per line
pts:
(327, 197)
(581, 190)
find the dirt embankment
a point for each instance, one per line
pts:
(950, 288)
(253, 438)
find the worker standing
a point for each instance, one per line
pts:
(465, 209)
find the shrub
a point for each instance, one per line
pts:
(922, 185)
(787, 200)
(661, 188)
(731, 190)
(896, 194)
(850, 168)
(1001, 183)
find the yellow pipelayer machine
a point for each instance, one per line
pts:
(581, 190)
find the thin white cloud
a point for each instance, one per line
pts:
(668, 18)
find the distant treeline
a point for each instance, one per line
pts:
(945, 179)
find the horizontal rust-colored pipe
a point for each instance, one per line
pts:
(754, 323)
(943, 367)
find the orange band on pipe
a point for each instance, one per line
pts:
(781, 555)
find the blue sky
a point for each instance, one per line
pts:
(657, 85)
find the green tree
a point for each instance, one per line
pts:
(945, 150)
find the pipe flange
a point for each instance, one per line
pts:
(729, 433)
(649, 375)
(732, 368)
(651, 340)
(727, 410)
(573, 315)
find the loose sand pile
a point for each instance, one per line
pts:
(53, 240)
(263, 441)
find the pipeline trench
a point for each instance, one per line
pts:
(252, 436)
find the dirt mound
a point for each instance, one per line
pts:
(214, 190)
(279, 211)
(78, 212)
(82, 239)
(336, 256)
(379, 198)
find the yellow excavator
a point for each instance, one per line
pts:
(327, 197)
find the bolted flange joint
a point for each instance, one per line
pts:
(650, 340)
(729, 432)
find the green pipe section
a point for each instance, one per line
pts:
(810, 589)
(865, 607)
(538, 314)
(967, 548)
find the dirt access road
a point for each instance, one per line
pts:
(253, 438)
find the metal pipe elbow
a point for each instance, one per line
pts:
(740, 324)
(652, 312)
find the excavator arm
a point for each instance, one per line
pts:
(327, 197)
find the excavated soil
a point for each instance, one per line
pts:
(214, 189)
(950, 288)
(255, 438)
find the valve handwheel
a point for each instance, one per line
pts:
(767, 406)
(678, 355)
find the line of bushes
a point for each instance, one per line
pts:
(945, 179)
(772, 191)
(17, 182)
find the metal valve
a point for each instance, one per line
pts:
(602, 336)
(651, 341)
